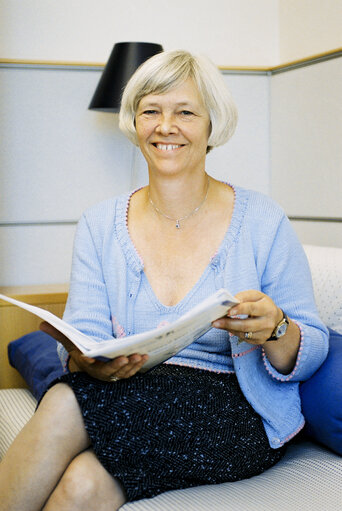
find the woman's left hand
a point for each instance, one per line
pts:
(263, 316)
(118, 368)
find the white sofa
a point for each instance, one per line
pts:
(309, 478)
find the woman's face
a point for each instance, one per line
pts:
(173, 130)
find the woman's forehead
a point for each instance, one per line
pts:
(182, 94)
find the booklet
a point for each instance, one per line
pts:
(160, 343)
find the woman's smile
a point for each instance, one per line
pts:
(168, 147)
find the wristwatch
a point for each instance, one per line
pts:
(280, 328)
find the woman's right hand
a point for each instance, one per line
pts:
(120, 367)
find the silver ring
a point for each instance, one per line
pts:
(114, 378)
(248, 335)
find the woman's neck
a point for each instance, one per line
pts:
(177, 198)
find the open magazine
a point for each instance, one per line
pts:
(160, 343)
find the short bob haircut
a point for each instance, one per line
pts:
(169, 69)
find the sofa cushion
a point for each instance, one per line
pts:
(16, 407)
(35, 357)
(321, 397)
(326, 269)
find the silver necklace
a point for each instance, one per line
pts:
(178, 220)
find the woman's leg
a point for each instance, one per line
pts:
(42, 451)
(86, 485)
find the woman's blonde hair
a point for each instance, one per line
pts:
(167, 70)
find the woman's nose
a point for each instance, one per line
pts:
(167, 125)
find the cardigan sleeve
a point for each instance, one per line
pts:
(287, 280)
(87, 307)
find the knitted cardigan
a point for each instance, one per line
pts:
(260, 251)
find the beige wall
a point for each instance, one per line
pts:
(231, 32)
(308, 27)
(234, 32)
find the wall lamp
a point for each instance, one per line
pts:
(123, 61)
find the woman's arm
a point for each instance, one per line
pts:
(88, 309)
(285, 283)
(263, 317)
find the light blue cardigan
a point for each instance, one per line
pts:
(260, 251)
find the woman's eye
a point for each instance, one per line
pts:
(186, 112)
(150, 112)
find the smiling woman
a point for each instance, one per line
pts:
(172, 138)
(168, 70)
(223, 408)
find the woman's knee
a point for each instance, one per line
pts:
(77, 488)
(87, 485)
(59, 396)
(60, 401)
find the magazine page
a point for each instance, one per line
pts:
(165, 342)
(160, 343)
(83, 342)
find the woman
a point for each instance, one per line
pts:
(223, 408)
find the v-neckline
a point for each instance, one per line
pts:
(179, 306)
(136, 261)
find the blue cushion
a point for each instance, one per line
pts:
(322, 398)
(35, 357)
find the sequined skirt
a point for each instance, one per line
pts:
(174, 427)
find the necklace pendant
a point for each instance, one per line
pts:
(177, 224)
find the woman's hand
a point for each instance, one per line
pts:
(120, 367)
(263, 316)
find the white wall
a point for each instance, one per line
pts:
(38, 254)
(57, 158)
(308, 27)
(306, 134)
(319, 233)
(245, 160)
(231, 32)
(306, 150)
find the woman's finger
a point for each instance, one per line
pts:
(258, 328)
(256, 337)
(135, 363)
(121, 367)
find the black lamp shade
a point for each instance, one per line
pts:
(123, 61)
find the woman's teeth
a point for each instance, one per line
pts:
(167, 147)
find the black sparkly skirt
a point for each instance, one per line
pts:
(174, 427)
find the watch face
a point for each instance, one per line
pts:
(281, 330)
